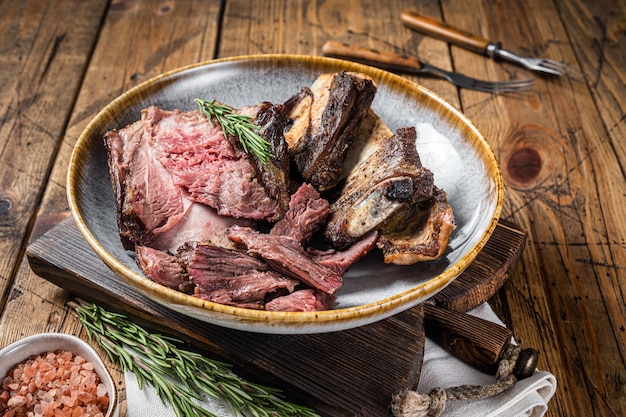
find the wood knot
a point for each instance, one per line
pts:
(5, 206)
(524, 165)
(535, 158)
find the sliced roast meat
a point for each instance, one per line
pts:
(273, 174)
(339, 103)
(147, 200)
(388, 180)
(248, 290)
(306, 214)
(163, 268)
(230, 276)
(287, 256)
(341, 261)
(202, 255)
(419, 233)
(162, 164)
(200, 223)
(302, 300)
(212, 169)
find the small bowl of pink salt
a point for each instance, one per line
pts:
(55, 375)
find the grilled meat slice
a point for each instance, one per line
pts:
(339, 103)
(287, 256)
(163, 268)
(302, 300)
(210, 168)
(419, 233)
(341, 261)
(273, 174)
(148, 202)
(168, 165)
(203, 255)
(389, 179)
(246, 290)
(306, 214)
(216, 274)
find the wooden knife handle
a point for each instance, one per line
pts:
(385, 60)
(443, 31)
(477, 342)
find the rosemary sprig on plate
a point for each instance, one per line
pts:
(179, 376)
(237, 125)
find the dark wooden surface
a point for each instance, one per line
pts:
(561, 147)
(348, 373)
(354, 372)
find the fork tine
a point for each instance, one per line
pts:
(503, 86)
(560, 68)
(464, 81)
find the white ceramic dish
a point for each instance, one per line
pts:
(21, 350)
(449, 144)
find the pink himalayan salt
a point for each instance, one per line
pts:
(55, 384)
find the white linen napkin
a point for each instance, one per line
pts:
(528, 397)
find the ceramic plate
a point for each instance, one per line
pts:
(449, 145)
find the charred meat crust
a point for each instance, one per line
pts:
(320, 155)
(391, 178)
(274, 175)
(419, 232)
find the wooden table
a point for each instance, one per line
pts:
(562, 147)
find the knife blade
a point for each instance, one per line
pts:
(441, 30)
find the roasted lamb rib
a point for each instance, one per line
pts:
(386, 189)
(324, 119)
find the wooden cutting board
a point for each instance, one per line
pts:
(348, 373)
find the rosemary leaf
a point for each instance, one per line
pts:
(237, 125)
(180, 377)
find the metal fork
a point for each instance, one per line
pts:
(407, 64)
(546, 65)
(441, 30)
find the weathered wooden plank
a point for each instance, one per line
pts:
(302, 27)
(43, 53)
(137, 40)
(331, 372)
(559, 162)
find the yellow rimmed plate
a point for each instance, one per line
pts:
(449, 145)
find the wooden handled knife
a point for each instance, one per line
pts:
(476, 341)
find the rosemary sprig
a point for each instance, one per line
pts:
(237, 125)
(179, 376)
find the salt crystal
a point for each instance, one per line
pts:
(17, 401)
(68, 400)
(101, 390)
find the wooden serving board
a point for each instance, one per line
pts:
(349, 373)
